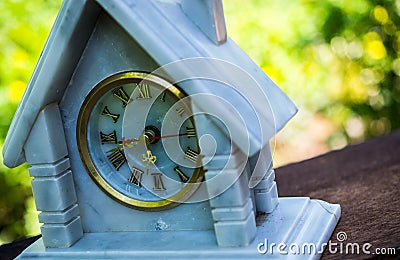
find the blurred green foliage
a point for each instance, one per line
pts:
(337, 59)
(24, 26)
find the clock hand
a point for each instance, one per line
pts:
(166, 136)
(148, 158)
(132, 142)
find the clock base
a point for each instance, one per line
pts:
(296, 224)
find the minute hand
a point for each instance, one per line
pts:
(130, 143)
(166, 136)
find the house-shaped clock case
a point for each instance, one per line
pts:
(93, 39)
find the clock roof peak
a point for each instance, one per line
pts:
(168, 31)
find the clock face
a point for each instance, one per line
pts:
(138, 141)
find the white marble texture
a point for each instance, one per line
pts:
(296, 220)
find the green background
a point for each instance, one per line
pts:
(336, 59)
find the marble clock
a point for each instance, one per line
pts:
(147, 133)
(132, 166)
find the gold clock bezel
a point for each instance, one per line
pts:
(91, 99)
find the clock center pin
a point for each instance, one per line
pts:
(151, 133)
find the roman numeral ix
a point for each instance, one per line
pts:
(110, 138)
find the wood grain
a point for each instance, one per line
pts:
(365, 180)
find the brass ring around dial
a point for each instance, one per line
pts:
(95, 94)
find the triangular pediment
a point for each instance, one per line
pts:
(167, 34)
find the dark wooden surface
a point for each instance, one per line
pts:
(364, 179)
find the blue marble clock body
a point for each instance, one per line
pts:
(95, 39)
(110, 50)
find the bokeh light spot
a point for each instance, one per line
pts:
(339, 45)
(380, 14)
(16, 90)
(354, 50)
(376, 49)
(355, 127)
(396, 66)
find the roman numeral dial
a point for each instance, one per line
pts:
(158, 182)
(190, 132)
(138, 141)
(180, 111)
(136, 177)
(162, 96)
(191, 155)
(121, 95)
(110, 138)
(116, 158)
(182, 176)
(144, 91)
(106, 112)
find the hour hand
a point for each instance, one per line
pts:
(132, 142)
